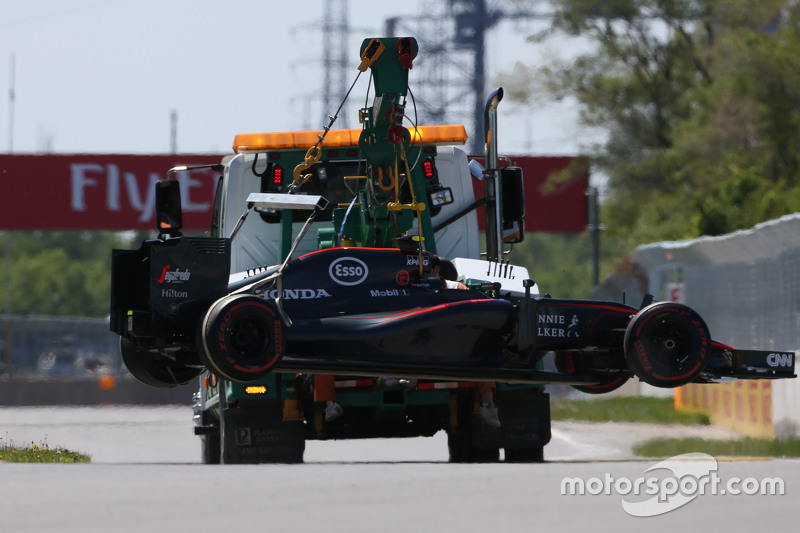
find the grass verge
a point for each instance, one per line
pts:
(624, 409)
(36, 453)
(748, 447)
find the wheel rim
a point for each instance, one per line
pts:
(249, 337)
(670, 345)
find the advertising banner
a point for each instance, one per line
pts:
(555, 193)
(116, 191)
(99, 191)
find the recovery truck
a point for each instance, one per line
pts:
(320, 261)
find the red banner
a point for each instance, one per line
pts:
(99, 191)
(116, 192)
(553, 204)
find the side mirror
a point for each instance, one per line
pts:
(476, 169)
(513, 204)
(169, 215)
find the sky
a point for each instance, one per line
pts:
(103, 76)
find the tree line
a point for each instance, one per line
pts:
(701, 99)
(58, 273)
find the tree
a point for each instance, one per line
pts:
(744, 138)
(58, 273)
(700, 101)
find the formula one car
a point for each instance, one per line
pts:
(386, 311)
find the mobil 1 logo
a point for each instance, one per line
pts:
(348, 271)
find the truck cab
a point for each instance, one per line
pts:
(265, 166)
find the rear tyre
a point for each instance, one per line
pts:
(666, 344)
(566, 364)
(151, 368)
(242, 337)
(603, 386)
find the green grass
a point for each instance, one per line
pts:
(749, 447)
(36, 453)
(624, 409)
(662, 411)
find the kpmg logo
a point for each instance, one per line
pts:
(348, 271)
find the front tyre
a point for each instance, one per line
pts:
(666, 344)
(242, 337)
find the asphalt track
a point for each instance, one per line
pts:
(145, 476)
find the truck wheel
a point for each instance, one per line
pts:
(566, 364)
(525, 415)
(525, 455)
(461, 449)
(210, 448)
(153, 369)
(666, 344)
(461, 440)
(242, 338)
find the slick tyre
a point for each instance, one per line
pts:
(568, 363)
(604, 385)
(153, 369)
(667, 344)
(242, 337)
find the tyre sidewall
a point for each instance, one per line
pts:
(566, 363)
(221, 353)
(644, 326)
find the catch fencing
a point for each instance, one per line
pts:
(58, 347)
(746, 286)
(71, 361)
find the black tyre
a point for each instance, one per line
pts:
(666, 344)
(525, 455)
(462, 441)
(210, 448)
(461, 449)
(151, 368)
(242, 337)
(567, 364)
(604, 385)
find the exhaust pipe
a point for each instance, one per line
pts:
(494, 226)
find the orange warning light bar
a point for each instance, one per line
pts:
(293, 140)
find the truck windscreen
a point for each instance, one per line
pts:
(334, 180)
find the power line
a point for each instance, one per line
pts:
(11, 99)
(335, 49)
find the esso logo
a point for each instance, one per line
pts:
(348, 271)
